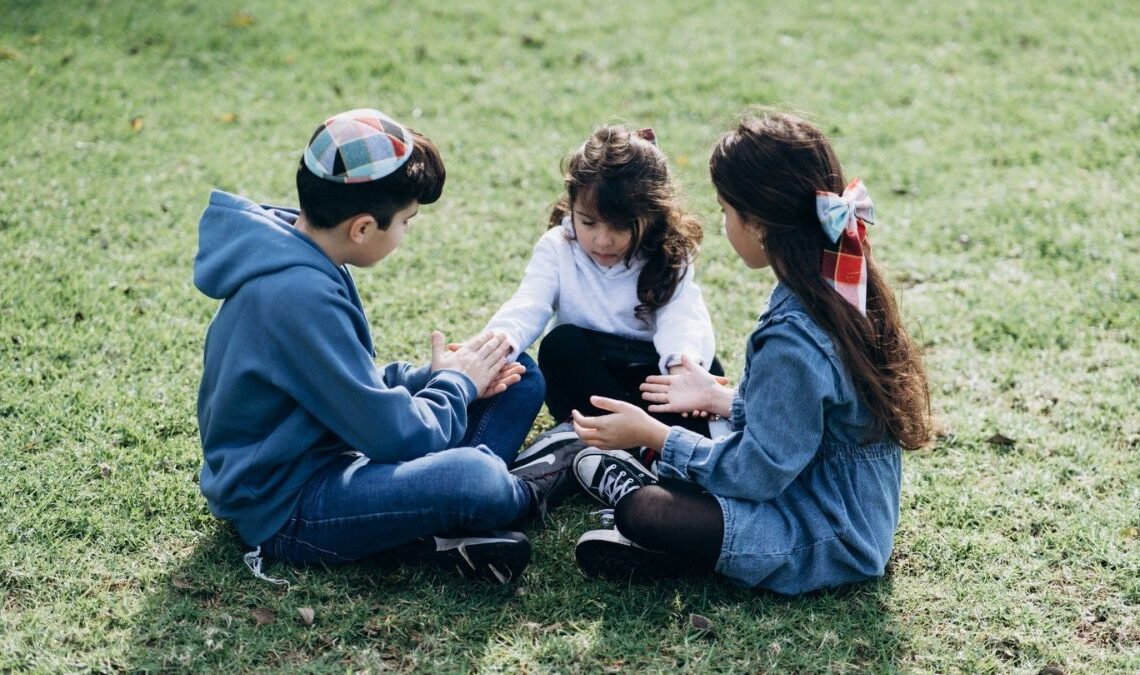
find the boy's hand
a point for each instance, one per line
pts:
(509, 374)
(626, 427)
(481, 358)
(690, 389)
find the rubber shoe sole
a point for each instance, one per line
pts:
(609, 555)
(498, 557)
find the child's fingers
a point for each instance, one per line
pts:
(610, 404)
(654, 387)
(515, 368)
(659, 379)
(436, 345)
(654, 397)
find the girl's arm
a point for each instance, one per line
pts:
(684, 326)
(524, 316)
(791, 382)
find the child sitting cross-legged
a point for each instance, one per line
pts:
(804, 493)
(313, 452)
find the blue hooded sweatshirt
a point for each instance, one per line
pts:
(289, 381)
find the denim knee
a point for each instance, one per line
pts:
(484, 493)
(532, 386)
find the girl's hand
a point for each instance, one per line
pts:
(481, 358)
(626, 427)
(691, 390)
(509, 374)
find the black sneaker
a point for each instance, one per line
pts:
(547, 442)
(492, 556)
(609, 475)
(608, 554)
(546, 470)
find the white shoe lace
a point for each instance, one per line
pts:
(612, 486)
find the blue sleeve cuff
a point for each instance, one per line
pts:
(461, 381)
(737, 412)
(680, 445)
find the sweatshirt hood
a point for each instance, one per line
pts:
(239, 240)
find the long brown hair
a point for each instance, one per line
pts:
(769, 169)
(625, 179)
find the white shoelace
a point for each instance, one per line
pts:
(612, 486)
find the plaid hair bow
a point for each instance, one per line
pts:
(844, 220)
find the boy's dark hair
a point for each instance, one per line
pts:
(625, 180)
(769, 169)
(327, 203)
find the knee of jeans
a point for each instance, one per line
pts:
(484, 487)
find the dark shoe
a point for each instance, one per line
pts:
(492, 556)
(608, 554)
(609, 475)
(547, 473)
(547, 442)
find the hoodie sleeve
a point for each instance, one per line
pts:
(323, 365)
(684, 326)
(791, 383)
(524, 316)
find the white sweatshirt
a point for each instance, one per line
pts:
(563, 281)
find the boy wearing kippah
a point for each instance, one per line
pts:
(313, 452)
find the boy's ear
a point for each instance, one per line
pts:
(358, 227)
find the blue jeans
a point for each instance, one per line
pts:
(356, 507)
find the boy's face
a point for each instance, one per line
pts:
(375, 244)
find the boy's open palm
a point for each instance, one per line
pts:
(480, 358)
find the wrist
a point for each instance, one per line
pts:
(656, 435)
(721, 402)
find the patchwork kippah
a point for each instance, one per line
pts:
(358, 146)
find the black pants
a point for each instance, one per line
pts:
(578, 363)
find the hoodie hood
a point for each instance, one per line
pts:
(239, 240)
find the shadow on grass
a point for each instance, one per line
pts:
(209, 614)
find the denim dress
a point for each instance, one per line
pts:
(808, 501)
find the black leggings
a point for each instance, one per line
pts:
(578, 363)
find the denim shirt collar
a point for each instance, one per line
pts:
(780, 296)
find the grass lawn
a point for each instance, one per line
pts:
(1000, 142)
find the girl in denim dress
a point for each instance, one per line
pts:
(804, 492)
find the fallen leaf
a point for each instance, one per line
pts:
(701, 623)
(1130, 532)
(7, 54)
(240, 20)
(306, 614)
(136, 124)
(1000, 439)
(227, 118)
(263, 616)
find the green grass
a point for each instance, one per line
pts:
(1000, 142)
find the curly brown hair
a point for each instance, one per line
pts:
(769, 169)
(625, 179)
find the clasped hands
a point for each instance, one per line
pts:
(483, 358)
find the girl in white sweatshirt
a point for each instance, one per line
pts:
(615, 271)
